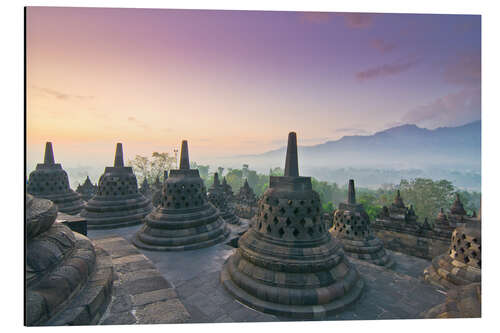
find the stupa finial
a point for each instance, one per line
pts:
(216, 179)
(351, 193)
(291, 162)
(49, 154)
(184, 156)
(119, 156)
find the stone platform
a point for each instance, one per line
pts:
(141, 295)
(194, 285)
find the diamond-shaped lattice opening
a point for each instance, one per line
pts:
(479, 263)
(473, 254)
(309, 210)
(462, 250)
(288, 222)
(281, 232)
(302, 222)
(466, 259)
(302, 202)
(296, 232)
(282, 210)
(275, 220)
(463, 236)
(260, 225)
(269, 229)
(265, 216)
(475, 240)
(310, 231)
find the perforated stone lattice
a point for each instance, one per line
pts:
(291, 219)
(183, 195)
(352, 225)
(117, 185)
(465, 248)
(48, 182)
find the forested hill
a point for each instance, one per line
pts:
(401, 147)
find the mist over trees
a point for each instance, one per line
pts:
(426, 195)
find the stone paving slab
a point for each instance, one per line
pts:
(396, 293)
(141, 295)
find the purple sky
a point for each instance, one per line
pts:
(236, 82)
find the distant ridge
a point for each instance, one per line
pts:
(397, 147)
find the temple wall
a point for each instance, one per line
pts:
(418, 246)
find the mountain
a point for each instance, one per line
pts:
(402, 147)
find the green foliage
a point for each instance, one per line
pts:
(471, 201)
(328, 207)
(370, 203)
(152, 168)
(202, 169)
(427, 196)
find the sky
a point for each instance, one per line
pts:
(236, 82)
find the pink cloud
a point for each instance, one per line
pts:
(465, 70)
(358, 20)
(453, 109)
(383, 46)
(316, 17)
(386, 70)
(352, 20)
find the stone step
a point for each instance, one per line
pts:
(141, 295)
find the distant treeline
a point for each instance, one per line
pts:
(426, 195)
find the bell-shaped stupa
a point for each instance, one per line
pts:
(118, 202)
(68, 281)
(217, 196)
(50, 181)
(87, 190)
(145, 189)
(461, 265)
(245, 202)
(228, 190)
(351, 225)
(287, 263)
(461, 302)
(184, 219)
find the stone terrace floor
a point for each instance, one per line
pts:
(397, 293)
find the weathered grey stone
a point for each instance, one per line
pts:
(50, 181)
(184, 219)
(164, 312)
(118, 202)
(153, 296)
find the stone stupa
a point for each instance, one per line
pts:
(145, 189)
(50, 181)
(351, 225)
(157, 190)
(68, 281)
(184, 219)
(217, 196)
(461, 265)
(228, 191)
(287, 263)
(245, 202)
(118, 202)
(461, 302)
(87, 190)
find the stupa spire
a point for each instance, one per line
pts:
(184, 156)
(351, 193)
(216, 179)
(49, 154)
(119, 156)
(291, 162)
